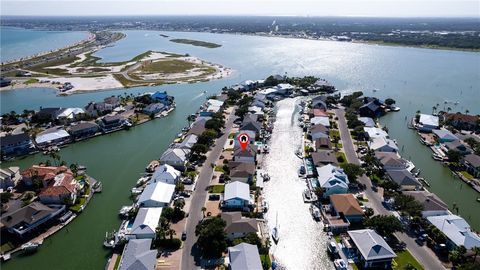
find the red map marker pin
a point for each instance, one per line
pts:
(243, 140)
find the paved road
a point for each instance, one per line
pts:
(199, 197)
(423, 254)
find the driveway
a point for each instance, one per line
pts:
(190, 253)
(424, 255)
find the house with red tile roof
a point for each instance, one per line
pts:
(62, 190)
(43, 173)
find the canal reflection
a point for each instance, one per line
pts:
(302, 243)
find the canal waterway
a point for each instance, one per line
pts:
(415, 78)
(302, 243)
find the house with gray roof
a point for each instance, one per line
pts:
(175, 157)
(188, 142)
(324, 157)
(431, 203)
(457, 230)
(404, 179)
(83, 130)
(237, 195)
(238, 226)
(367, 121)
(444, 135)
(391, 161)
(472, 163)
(244, 257)
(137, 255)
(373, 250)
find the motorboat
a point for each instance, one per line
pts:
(275, 235)
(30, 246)
(302, 170)
(340, 264)
(315, 212)
(136, 191)
(332, 248)
(125, 210)
(264, 206)
(395, 109)
(142, 180)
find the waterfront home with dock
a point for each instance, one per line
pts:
(431, 203)
(16, 145)
(332, 180)
(62, 189)
(322, 144)
(167, 174)
(457, 231)
(404, 179)
(112, 122)
(367, 121)
(372, 249)
(53, 136)
(238, 226)
(324, 157)
(154, 108)
(382, 144)
(145, 224)
(244, 257)
(156, 194)
(83, 130)
(391, 161)
(30, 217)
(346, 205)
(444, 135)
(472, 164)
(318, 131)
(427, 123)
(242, 171)
(237, 196)
(248, 155)
(138, 255)
(175, 157)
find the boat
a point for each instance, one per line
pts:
(478, 199)
(125, 210)
(142, 180)
(136, 191)
(205, 91)
(340, 264)
(395, 109)
(152, 165)
(30, 246)
(109, 241)
(275, 235)
(302, 170)
(421, 179)
(315, 212)
(264, 206)
(299, 154)
(265, 177)
(332, 248)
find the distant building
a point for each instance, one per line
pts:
(428, 122)
(16, 145)
(9, 177)
(83, 130)
(70, 114)
(472, 164)
(175, 157)
(462, 121)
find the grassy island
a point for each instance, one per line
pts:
(196, 43)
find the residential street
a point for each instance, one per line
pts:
(423, 254)
(199, 197)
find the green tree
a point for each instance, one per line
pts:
(211, 237)
(454, 156)
(407, 204)
(384, 225)
(352, 171)
(389, 101)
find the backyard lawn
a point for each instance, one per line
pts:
(216, 188)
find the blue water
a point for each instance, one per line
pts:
(18, 42)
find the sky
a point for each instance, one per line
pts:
(368, 8)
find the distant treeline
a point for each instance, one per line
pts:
(443, 32)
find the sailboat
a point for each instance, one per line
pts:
(275, 235)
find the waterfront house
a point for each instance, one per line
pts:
(427, 122)
(322, 120)
(258, 103)
(324, 86)
(28, 218)
(374, 132)
(146, 223)
(15, 145)
(156, 194)
(5, 82)
(372, 249)
(112, 122)
(247, 155)
(318, 113)
(319, 131)
(391, 161)
(472, 164)
(154, 108)
(457, 231)
(250, 134)
(319, 103)
(67, 115)
(9, 177)
(238, 226)
(266, 94)
(324, 157)
(112, 101)
(346, 205)
(53, 136)
(137, 255)
(284, 89)
(431, 203)
(62, 189)
(175, 157)
(97, 109)
(167, 174)
(458, 146)
(242, 171)
(83, 130)
(444, 135)
(47, 114)
(162, 97)
(462, 121)
(371, 109)
(332, 179)
(323, 144)
(237, 196)
(244, 257)
(404, 179)
(250, 123)
(383, 144)
(367, 121)
(188, 142)
(45, 174)
(198, 127)
(256, 110)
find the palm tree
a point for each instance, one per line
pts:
(449, 109)
(434, 108)
(204, 209)
(467, 111)
(171, 232)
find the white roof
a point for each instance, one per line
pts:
(213, 108)
(189, 141)
(8, 172)
(165, 173)
(157, 191)
(323, 120)
(284, 86)
(380, 142)
(430, 120)
(369, 122)
(146, 221)
(70, 113)
(50, 136)
(215, 102)
(268, 91)
(255, 109)
(330, 176)
(237, 190)
(456, 229)
(374, 132)
(175, 154)
(244, 257)
(445, 134)
(371, 245)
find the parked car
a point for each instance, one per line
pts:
(221, 179)
(184, 235)
(214, 197)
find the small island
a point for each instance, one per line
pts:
(198, 43)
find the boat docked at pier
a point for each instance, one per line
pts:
(30, 247)
(315, 212)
